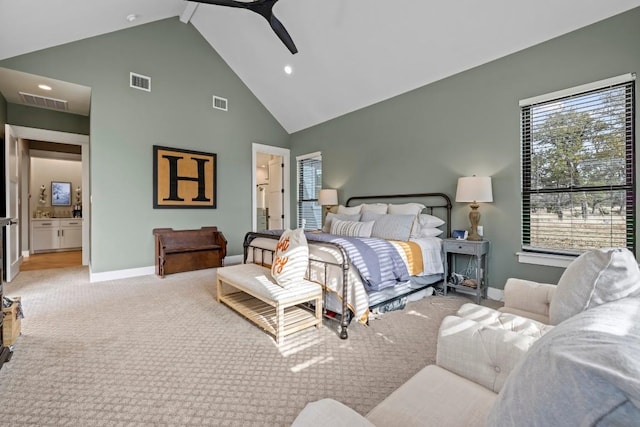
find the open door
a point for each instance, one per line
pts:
(12, 205)
(275, 196)
(277, 191)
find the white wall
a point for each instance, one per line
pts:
(43, 171)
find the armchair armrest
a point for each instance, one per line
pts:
(329, 412)
(528, 299)
(480, 353)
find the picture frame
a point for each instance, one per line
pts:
(60, 193)
(460, 234)
(184, 179)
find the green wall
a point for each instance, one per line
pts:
(468, 124)
(126, 123)
(40, 118)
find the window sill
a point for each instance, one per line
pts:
(545, 259)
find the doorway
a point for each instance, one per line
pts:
(27, 196)
(270, 188)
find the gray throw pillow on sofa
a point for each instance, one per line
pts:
(594, 278)
(584, 372)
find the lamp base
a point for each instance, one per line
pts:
(474, 218)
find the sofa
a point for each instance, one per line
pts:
(508, 368)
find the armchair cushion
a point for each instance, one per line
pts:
(594, 278)
(585, 371)
(434, 397)
(482, 354)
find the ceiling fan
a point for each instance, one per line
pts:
(265, 9)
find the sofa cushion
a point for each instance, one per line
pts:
(434, 397)
(594, 278)
(585, 371)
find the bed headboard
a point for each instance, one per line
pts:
(437, 204)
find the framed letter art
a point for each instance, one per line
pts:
(183, 179)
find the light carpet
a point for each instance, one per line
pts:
(150, 351)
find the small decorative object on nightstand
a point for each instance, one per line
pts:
(477, 251)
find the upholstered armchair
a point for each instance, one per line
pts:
(572, 361)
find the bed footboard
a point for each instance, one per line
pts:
(264, 257)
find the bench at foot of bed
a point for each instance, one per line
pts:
(250, 290)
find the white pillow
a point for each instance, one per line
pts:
(379, 208)
(331, 216)
(405, 209)
(427, 232)
(291, 258)
(390, 227)
(592, 279)
(351, 228)
(425, 222)
(352, 210)
(429, 221)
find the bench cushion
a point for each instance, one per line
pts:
(258, 281)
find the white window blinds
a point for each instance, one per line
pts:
(309, 185)
(578, 170)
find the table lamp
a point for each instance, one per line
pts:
(328, 197)
(474, 189)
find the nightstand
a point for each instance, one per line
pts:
(474, 249)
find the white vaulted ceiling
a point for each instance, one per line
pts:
(352, 53)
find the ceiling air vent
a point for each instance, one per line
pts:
(138, 81)
(44, 102)
(220, 103)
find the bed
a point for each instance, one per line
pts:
(381, 274)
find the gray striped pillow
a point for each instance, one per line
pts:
(351, 228)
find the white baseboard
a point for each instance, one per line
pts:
(25, 254)
(233, 259)
(145, 271)
(495, 294)
(120, 274)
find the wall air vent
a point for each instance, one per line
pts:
(220, 103)
(44, 102)
(138, 81)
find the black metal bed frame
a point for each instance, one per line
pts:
(344, 318)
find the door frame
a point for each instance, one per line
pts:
(286, 181)
(75, 139)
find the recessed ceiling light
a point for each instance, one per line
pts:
(44, 87)
(132, 17)
(288, 69)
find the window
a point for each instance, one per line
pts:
(309, 185)
(578, 178)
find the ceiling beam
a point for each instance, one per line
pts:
(189, 10)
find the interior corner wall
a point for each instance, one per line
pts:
(469, 124)
(125, 124)
(3, 115)
(40, 118)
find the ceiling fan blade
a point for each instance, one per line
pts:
(282, 33)
(230, 3)
(263, 8)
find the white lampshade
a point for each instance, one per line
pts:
(474, 189)
(328, 197)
